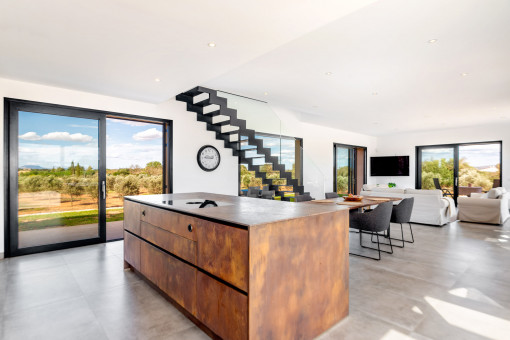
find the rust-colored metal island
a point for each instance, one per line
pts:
(243, 268)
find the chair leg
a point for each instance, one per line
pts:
(378, 248)
(388, 237)
(378, 243)
(412, 236)
(391, 247)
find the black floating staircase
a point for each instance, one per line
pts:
(213, 110)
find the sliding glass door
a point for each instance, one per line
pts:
(437, 168)
(137, 172)
(459, 169)
(58, 188)
(479, 167)
(56, 174)
(349, 168)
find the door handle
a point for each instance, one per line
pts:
(103, 188)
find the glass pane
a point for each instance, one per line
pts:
(134, 166)
(342, 170)
(437, 163)
(479, 168)
(58, 161)
(283, 148)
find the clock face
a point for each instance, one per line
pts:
(208, 158)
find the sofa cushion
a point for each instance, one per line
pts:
(503, 189)
(390, 190)
(424, 192)
(369, 187)
(494, 193)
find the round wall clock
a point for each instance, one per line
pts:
(208, 158)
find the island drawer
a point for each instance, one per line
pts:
(175, 278)
(171, 242)
(132, 246)
(221, 308)
(132, 217)
(223, 251)
(176, 223)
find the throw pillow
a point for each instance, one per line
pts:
(494, 193)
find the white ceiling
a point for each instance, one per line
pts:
(386, 77)
(118, 47)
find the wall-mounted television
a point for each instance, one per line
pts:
(389, 166)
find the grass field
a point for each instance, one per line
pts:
(67, 219)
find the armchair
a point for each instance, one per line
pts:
(491, 208)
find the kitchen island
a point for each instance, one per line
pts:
(240, 267)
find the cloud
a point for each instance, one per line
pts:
(30, 136)
(67, 137)
(116, 156)
(149, 134)
(48, 156)
(60, 136)
(128, 122)
(84, 126)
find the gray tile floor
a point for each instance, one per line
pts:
(453, 283)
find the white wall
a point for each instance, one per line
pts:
(318, 149)
(189, 135)
(404, 144)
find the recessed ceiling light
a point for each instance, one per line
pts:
(329, 73)
(211, 44)
(375, 93)
(431, 41)
(265, 93)
(464, 74)
(157, 80)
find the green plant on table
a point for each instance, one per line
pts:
(391, 185)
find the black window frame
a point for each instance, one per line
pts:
(11, 108)
(353, 186)
(455, 147)
(263, 134)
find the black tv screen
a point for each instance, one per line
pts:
(389, 166)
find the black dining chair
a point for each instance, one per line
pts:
(373, 223)
(445, 192)
(253, 192)
(401, 214)
(267, 194)
(303, 198)
(331, 195)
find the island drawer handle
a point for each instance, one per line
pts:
(143, 212)
(190, 228)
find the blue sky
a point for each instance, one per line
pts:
(342, 157)
(52, 141)
(477, 155)
(132, 143)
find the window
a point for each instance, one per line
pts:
(289, 151)
(61, 163)
(349, 168)
(460, 168)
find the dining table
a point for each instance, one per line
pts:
(366, 201)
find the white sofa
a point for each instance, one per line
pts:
(430, 207)
(491, 207)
